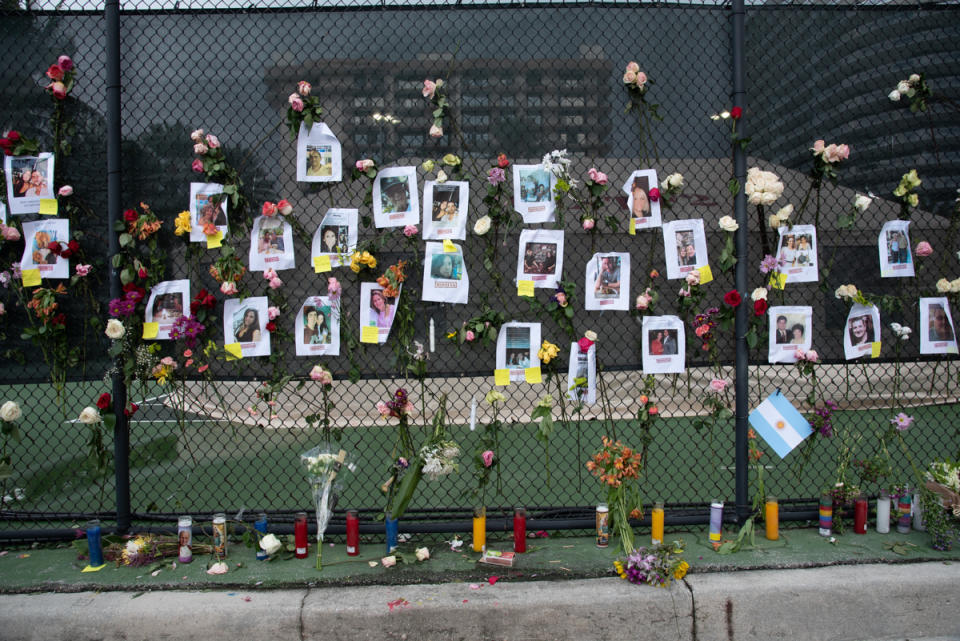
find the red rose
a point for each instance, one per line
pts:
(131, 410)
(653, 411)
(59, 319)
(73, 245)
(142, 273)
(130, 216)
(271, 326)
(732, 298)
(736, 112)
(54, 248)
(104, 401)
(13, 136)
(55, 72)
(502, 161)
(759, 307)
(654, 194)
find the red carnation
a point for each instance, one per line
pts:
(654, 194)
(130, 410)
(732, 298)
(271, 326)
(130, 216)
(13, 136)
(71, 248)
(104, 401)
(759, 307)
(55, 248)
(736, 112)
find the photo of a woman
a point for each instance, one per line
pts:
(445, 266)
(656, 342)
(248, 331)
(788, 253)
(797, 332)
(316, 330)
(380, 309)
(641, 202)
(804, 252)
(329, 239)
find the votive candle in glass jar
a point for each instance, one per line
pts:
(883, 513)
(260, 525)
(220, 535)
(94, 543)
(520, 530)
(771, 518)
(656, 523)
(185, 539)
(353, 533)
(300, 543)
(479, 529)
(860, 515)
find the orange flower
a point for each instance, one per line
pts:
(751, 434)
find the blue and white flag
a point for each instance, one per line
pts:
(780, 424)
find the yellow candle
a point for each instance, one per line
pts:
(771, 516)
(656, 532)
(479, 529)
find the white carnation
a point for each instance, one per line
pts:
(955, 286)
(760, 293)
(914, 78)
(90, 416)
(673, 180)
(784, 213)
(10, 412)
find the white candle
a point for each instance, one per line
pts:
(883, 514)
(432, 346)
(473, 414)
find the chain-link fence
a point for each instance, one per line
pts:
(522, 80)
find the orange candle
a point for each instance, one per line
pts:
(771, 516)
(656, 517)
(479, 529)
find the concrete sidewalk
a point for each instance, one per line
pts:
(877, 601)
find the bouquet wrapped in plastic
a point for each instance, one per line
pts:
(323, 467)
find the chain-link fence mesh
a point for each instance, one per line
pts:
(522, 80)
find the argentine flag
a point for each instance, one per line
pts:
(780, 424)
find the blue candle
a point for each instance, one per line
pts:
(260, 525)
(392, 529)
(716, 521)
(93, 541)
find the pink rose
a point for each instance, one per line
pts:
(269, 274)
(228, 287)
(817, 148)
(923, 249)
(597, 176)
(693, 278)
(197, 165)
(561, 299)
(643, 301)
(322, 376)
(284, 207)
(487, 457)
(303, 88)
(200, 149)
(296, 103)
(273, 312)
(683, 293)
(641, 78)
(436, 132)
(629, 78)
(410, 230)
(65, 63)
(429, 89)
(268, 209)
(470, 335)
(588, 223)
(3, 309)
(11, 233)
(197, 135)
(58, 89)
(833, 153)
(812, 356)
(634, 67)
(55, 72)
(843, 151)
(718, 384)
(82, 270)
(65, 191)
(383, 409)
(365, 164)
(333, 287)
(276, 283)
(212, 141)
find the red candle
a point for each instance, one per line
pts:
(353, 533)
(520, 530)
(860, 516)
(300, 535)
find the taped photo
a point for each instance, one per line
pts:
(336, 237)
(37, 237)
(541, 257)
(893, 245)
(861, 331)
(245, 322)
(797, 253)
(533, 193)
(271, 244)
(644, 212)
(377, 310)
(396, 202)
(317, 327)
(608, 281)
(517, 347)
(204, 210)
(791, 329)
(29, 180)
(166, 304)
(664, 345)
(684, 247)
(445, 210)
(937, 335)
(445, 275)
(319, 155)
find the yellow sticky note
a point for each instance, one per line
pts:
(215, 241)
(778, 281)
(234, 351)
(48, 206)
(448, 246)
(369, 334)
(633, 227)
(875, 349)
(524, 288)
(31, 277)
(532, 375)
(321, 264)
(150, 330)
(706, 274)
(90, 568)
(501, 377)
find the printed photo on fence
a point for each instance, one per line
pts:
(517, 346)
(791, 329)
(38, 236)
(684, 247)
(445, 210)
(271, 244)
(533, 193)
(644, 212)
(377, 309)
(396, 202)
(893, 246)
(582, 375)
(336, 237)
(541, 256)
(862, 331)
(936, 327)
(319, 155)
(317, 328)
(608, 281)
(29, 179)
(245, 323)
(664, 345)
(204, 210)
(797, 253)
(166, 304)
(445, 275)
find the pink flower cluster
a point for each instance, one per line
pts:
(718, 385)
(58, 73)
(271, 276)
(588, 224)
(321, 375)
(597, 176)
(410, 231)
(272, 209)
(923, 248)
(10, 232)
(365, 164)
(633, 76)
(809, 356)
(830, 153)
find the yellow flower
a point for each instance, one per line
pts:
(452, 335)
(618, 566)
(681, 570)
(548, 351)
(182, 223)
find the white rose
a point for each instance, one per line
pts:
(10, 412)
(774, 221)
(785, 213)
(90, 416)
(903, 86)
(955, 286)
(270, 544)
(894, 96)
(115, 329)
(914, 78)
(727, 223)
(441, 176)
(422, 554)
(943, 286)
(861, 202)
(896, 327)
(763, 187)
(673, 180)
(482, 226)
(760, 293)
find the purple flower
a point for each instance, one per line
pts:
(496, 176)
(5, 278)
(187, 328)
(122, 307)
(768, 264)
(15, 270)
(901, 421)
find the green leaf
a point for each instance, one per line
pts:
(6, 471)
(126, 240)
(109, 420)
(733, 186)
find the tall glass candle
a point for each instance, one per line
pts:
(826, 515)
(918, 524)
(603, 525)
(93, 542)
(260, 525)
(904, 518)
(392, 530)
(479, 529)
(353, 533)
(220, 534)
(656, 521)
(520, 530)
(300, 543)
(185, 539)
(716, 521)
(771, 518)
(883, 513)
(860, 516)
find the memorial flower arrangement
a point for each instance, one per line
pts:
(322, 467)
(228, 270)
(637, 84)
(62, 75)
(392, 279)
(656, 565)
(618, 469)
(47, 330)
(557, 163)
(728, 257)
(13, 143)
(916, 89)
(302, 108)
(670, 189)
(857, 207)
(98, 419)
(211, 161)
(940, 501)
(543, 412)
(763, 188)
(560, 307)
